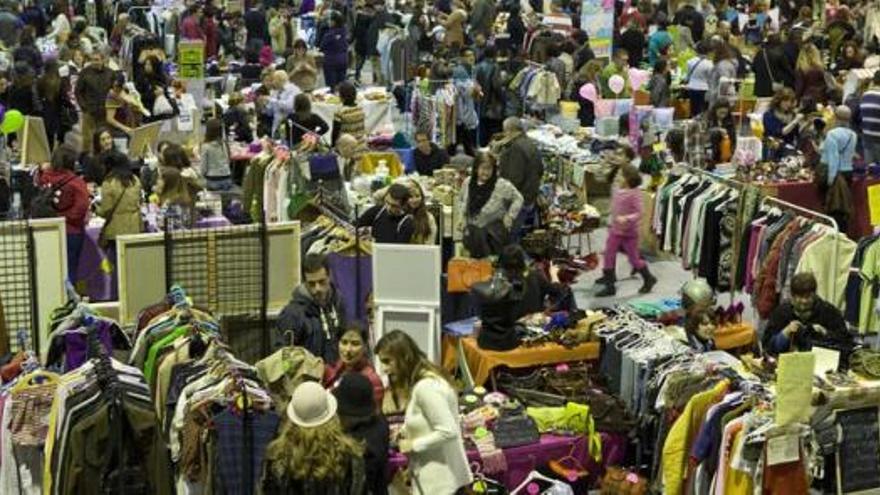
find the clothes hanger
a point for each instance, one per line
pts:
(571, 473)
(533, 476)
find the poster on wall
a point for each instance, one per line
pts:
(597, 19)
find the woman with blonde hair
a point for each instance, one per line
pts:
(311, 455)
(809, 81)
(431, 435)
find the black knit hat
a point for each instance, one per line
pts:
(355, 396)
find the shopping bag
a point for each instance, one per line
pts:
(463, 273)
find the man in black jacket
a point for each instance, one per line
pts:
(805, 320)
(315, 316)
(771, 66)
(390, 222)
(256, 24)
(521, 164)
(92, 86)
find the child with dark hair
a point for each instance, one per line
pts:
(623, 231)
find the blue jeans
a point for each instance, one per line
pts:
(872, 149)
(74, 250)
(219, 184)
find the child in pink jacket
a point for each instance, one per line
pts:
(623, 231)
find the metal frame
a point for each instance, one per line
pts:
(819, 216)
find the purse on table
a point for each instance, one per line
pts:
(618, 481)
(463, 273)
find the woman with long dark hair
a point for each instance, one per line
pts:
(431, 435)
(120, 204)
(488, 203)
(303, 120)
(59, 114)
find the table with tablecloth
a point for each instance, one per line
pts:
(482, 362)
(522, 460)
(377, 114)
(806, 194)
(96, 275)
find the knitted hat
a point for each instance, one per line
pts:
(311, 405)
(355, 396)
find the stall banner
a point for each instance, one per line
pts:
(597, 19)
(191, 59)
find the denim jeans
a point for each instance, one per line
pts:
(872, 149)
(74, 250)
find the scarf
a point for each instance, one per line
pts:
(478, 195)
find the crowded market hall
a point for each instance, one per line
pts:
(371, 247)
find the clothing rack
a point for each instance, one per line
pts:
(737, 238)
(806, 212)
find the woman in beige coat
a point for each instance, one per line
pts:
(302, 68)
(120, 199)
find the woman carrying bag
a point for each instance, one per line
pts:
(120, 204)
(487, 208)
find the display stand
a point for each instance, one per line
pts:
(142, 275)
(33, 270)
(406, 293)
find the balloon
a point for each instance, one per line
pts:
(2, 112)
(616, 83)
(588, 92)
(13, 121)
(638, 78)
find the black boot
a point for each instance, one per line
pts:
(648, 280)
(608, 276)
(608, 288)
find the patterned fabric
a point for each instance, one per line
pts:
(29, 421)
(352, 121)
(231, 455)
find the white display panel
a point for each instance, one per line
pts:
(420, 323)
(406, 274)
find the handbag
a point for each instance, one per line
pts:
(485, 241)
(619, 481)
(323, 166)
(609, 413)
(775, 86)
(44, 203)
(463, 273)
(515, 431)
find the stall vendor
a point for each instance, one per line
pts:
(805, 320)
(697, 300)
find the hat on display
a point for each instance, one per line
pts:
(311, 405)
(354, 394)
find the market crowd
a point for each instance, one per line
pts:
(502, 65)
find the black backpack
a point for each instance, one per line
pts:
(43, 205)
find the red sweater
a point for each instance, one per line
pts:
(72, 199)
(333, 373)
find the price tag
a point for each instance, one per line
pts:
(783, 449)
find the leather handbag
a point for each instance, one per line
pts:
(609, 413)
(515, 431)
(618, 481)
(463, 273)
(682, 108)
(323, 166)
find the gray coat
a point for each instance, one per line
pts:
(505, 202)
(521, 164)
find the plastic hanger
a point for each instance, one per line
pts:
(571, 473)
(533, 476)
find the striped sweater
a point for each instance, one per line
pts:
(870, 113)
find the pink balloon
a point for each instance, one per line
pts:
(638, 78)
(588, 92)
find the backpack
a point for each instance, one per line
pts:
(43, 205)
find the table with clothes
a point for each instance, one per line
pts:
(96, 274)
(377, 114)
(806, 194)
(482, 363)
(522, 460)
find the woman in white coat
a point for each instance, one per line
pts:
(431, 436)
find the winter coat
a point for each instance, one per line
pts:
(354, 483)
(302, 319)
(126, 217)
(72, 198)
(491, 80)
(521, 164)
(775, 67)
(334, 46)
(505, 202)
(92, 87)
(303, 71)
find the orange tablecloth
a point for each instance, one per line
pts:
(481, 362)
(734, 336)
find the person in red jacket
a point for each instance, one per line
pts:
(71, 200)
(191, 25)
(212, 33)
(353, 358)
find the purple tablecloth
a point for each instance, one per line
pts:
(96, 274)
(522, 460)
